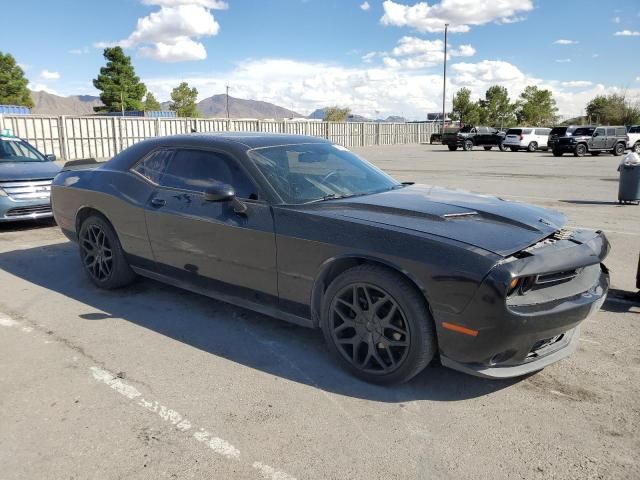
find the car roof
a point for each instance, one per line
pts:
(234, 142)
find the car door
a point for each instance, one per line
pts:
(195, 239)
(599, 141)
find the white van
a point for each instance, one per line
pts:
(531, 139)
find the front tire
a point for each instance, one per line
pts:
(581, 150)
(468, 145)
(618, 149)
(102, 256)
(378, 325)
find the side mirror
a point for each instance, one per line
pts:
(51, 157)
(219, 192)
(596, 134)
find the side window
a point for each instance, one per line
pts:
(542, 131)
(621, 132)
(527, 131)
(154, 165)
(600, 131)
(196, 169)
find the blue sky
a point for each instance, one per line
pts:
(378, 57)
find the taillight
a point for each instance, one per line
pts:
(521, 137)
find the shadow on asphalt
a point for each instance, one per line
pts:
(242, 336)
(26, 225)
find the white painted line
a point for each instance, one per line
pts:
(589, 341)
(271, 473)
(6, 321)
(218, 445)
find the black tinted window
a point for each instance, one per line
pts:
(195, 170)
(634, 130)
(514, 131)
(583, 131)
(558, 131)
(154, 165)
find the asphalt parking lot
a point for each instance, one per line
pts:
(154, 382)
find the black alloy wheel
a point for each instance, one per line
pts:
(618, 149)
(102, 255)
(369, 328)
(96, 253)
(581, 150)
(378, 325)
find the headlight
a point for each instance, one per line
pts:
(3, 193)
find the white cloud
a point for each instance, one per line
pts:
(459, 14)
(48, 75)
(576, 83)
(168, 34)
(415, 53)
(79, 51)
(305, 86)
(365, 6)
(563, 60)
(41, 87)
(212, 4)
(564, 41)
(627, 33)
(368, 58)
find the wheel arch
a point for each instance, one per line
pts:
(334, 267)
(85, 212)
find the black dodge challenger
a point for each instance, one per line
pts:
(296, 227)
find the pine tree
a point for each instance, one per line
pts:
(119, 84)
(13, 84)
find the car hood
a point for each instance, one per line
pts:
(10, 171)
(493, 224)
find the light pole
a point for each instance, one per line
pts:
(444, 83)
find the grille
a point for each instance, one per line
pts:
(27, 189)
(20, 211)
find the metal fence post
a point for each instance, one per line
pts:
(62, 137)
(157, 127)
(115, 135)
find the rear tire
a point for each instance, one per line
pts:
(580, 150)
(468, 145)
(378, 325)
(532, 147)
(102, 256)
(618, 149)
(453, 148)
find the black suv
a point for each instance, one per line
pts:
(469, 137)
(559, 132)
(593, 140)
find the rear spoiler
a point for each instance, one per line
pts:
(82, 164)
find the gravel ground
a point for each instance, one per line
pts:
(154, 382)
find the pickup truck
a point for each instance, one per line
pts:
(469, 137)
(634, 138)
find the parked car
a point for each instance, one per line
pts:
(634, 138)
(469, 137)
(593, 140)
(557, 132)
(25, 180)
(296, 227)
(530, 139)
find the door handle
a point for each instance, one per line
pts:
(158, 202)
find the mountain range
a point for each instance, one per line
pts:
(214, 106)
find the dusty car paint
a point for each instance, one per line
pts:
(461, 250)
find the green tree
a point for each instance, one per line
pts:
(118, 83)
(613, 109)
(464, 110)
(536, 107)
(496, 107)
(13, 84)
(184, 100)
(150, 103)
(336, 114)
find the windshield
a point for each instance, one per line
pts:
(583, 132)
(16, 150)
(309, 172)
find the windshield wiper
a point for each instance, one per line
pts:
(333, 196)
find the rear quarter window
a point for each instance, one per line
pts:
(542, 131)
(621, 132)
(514, 131)
(527, 131)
